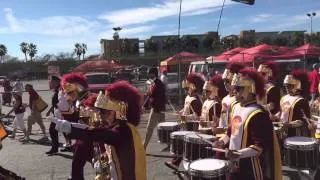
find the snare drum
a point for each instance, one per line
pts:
(301, 152)
(164, 130)
(195, 148)
(209, 169)
(176, 142)
(192, 125)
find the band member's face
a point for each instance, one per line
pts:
(289, 89)
(227, 85)
(264, 75)
(107, 116)
(72, 96)
(239, 93)
(151, 76)
(207, 93)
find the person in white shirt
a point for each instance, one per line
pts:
(18, 86)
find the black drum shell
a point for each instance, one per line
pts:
(164, 134)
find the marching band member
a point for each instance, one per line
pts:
(271, 102)
(251, 132)
(294, 105)
(75, 89)
(193, 85)
(229, 100)
(211, 108)
(121, 107)
(157, 99)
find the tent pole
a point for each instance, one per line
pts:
(179, 60)
(305, 63)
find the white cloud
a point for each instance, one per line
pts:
(288, 22)
(54, 25)
(261, 18)
(157, 11)
(199, 12)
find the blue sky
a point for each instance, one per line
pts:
(56, 25)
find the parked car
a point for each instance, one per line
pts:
(98, 81)
(125, 74)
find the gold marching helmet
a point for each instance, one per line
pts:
(244, 81)
(104, 102)
(227, 74)
(289, 79)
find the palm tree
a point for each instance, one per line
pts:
(24, 47)
(78, 50)
(3, 51)
(32, 50)
(84, 50)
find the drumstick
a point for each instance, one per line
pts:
(275, 123)
(305, 117)
(212, 144)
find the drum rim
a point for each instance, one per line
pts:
(291, 146)
(210, 173)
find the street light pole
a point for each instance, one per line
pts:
(311, 15)
(179, 60)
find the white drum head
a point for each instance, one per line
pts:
(168, 124)
(196, 136)
(207, 164)
(181, 133)
(300, 141)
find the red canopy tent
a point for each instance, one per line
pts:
(226, 55)
(184, 57)
(302, 52)
(98, 65)
(259, 52)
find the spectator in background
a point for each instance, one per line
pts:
(35, 116)
(314, 82)
(157, 96)
(6, 96)
(18, 86)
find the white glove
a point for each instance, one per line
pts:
(63, 126)
(97, 166)
(52, 119)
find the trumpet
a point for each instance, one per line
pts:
(100, 160)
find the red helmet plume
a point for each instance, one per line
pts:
(74, 78)
(89, 102)
(197, 80)
(235, 67)
(123, 91)
(302, 76)
(257, 78)
(218, 82)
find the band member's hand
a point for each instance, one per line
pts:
(219, 144)
(183, 118)
(273, 118)
(230, 154)
(203, 123)
(312, 127)
(286, 125)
